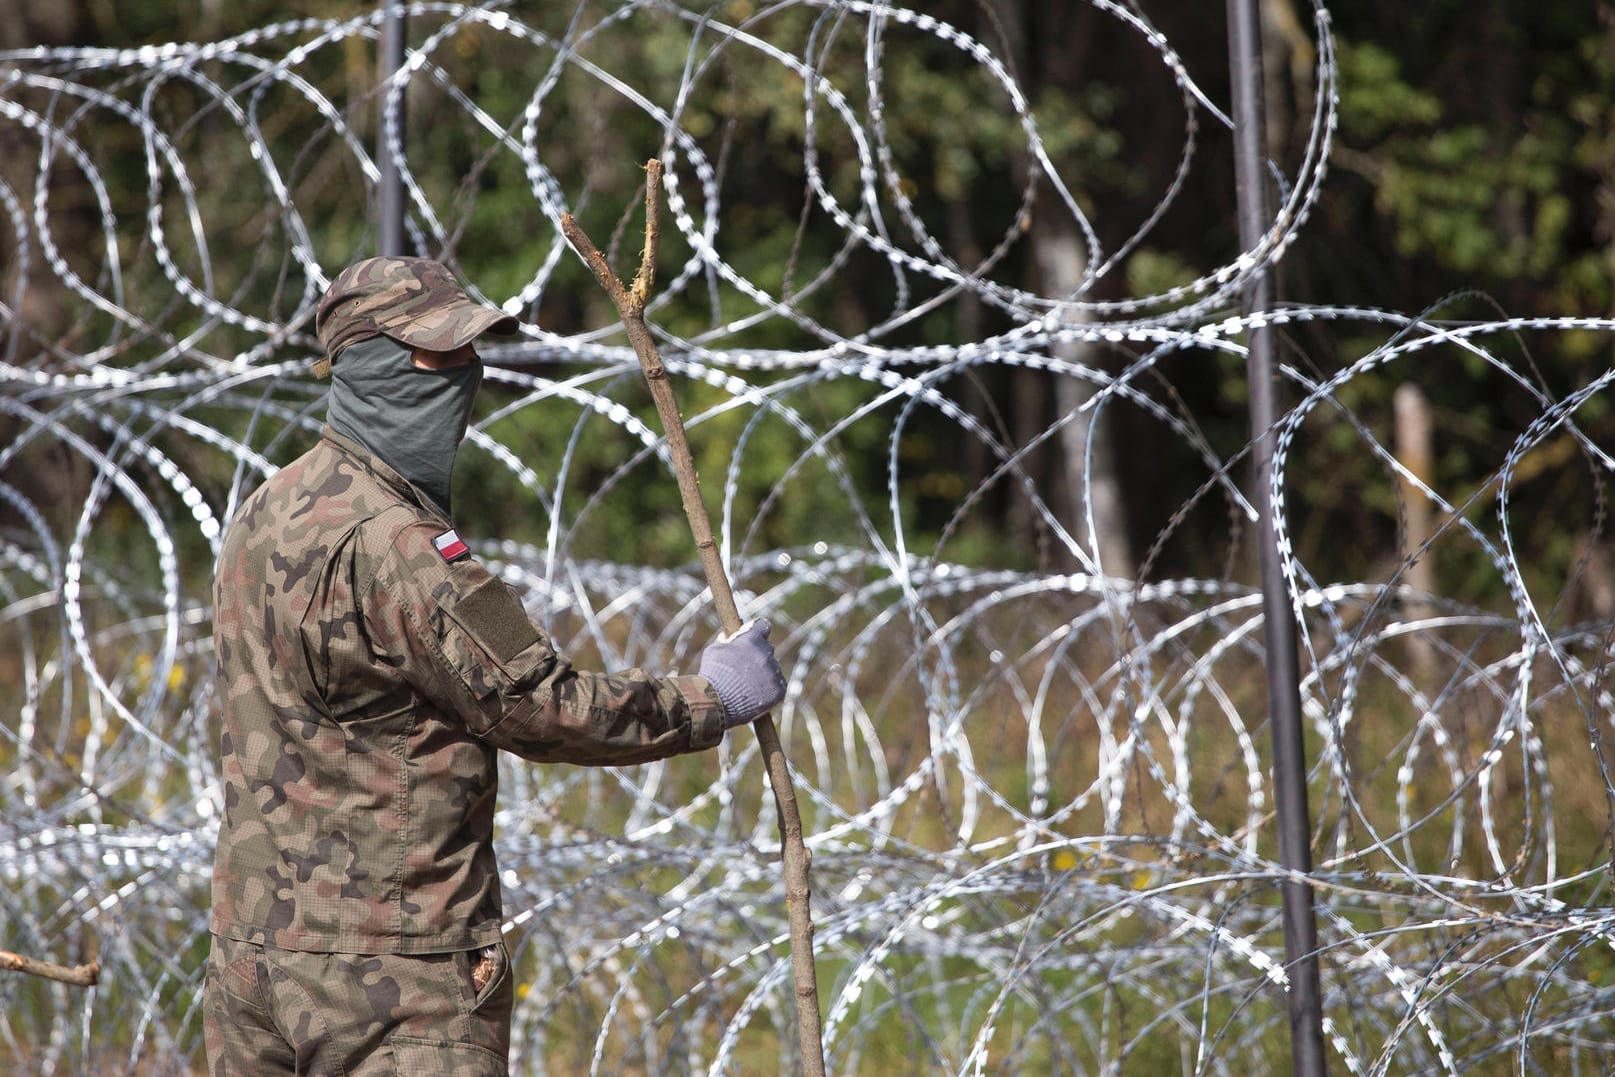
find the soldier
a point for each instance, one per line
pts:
(370, 669)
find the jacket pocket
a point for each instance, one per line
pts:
(493, 964)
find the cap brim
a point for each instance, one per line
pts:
(485, 320)
(466, 322)
(503, 324)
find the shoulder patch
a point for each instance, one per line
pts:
(449, 545)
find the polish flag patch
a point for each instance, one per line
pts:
(449, 545)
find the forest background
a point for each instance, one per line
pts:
(1473, 173)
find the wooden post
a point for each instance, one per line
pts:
(1413, 450)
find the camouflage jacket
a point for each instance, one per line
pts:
(370, 668)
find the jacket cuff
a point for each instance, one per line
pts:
(706, 710)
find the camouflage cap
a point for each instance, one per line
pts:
(416, 301)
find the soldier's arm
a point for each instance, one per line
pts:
(461, 637)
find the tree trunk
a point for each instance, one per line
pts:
(1090, 482)
(1053, 50)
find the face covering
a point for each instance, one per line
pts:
(413, 419)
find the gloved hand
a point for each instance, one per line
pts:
(745, 673)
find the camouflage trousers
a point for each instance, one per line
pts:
(269, 1011)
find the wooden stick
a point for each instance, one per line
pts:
(79, 975)
(630, 305)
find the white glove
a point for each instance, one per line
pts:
(744, 672)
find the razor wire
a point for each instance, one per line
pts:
(1037, 800)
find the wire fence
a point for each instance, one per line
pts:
(1038, 800)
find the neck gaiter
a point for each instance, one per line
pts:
(413, 419)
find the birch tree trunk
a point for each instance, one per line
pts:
(1088, 465)
(1056, 53)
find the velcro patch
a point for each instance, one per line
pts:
(493, 614)
(449, 545)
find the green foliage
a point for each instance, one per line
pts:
(1151, 271)
(1374, 99)
(1472, 155)
(1472, 159)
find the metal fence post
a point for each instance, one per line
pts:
(1283, 677)
(390, 187)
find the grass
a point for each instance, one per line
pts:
(1093, 948)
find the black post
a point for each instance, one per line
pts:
(1283, 676)
(390, 188)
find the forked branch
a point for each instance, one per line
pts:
(630, 303)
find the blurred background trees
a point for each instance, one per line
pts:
(1472, 175)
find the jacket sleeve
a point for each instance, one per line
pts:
(460, 637)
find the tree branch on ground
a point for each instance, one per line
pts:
(79, 975)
